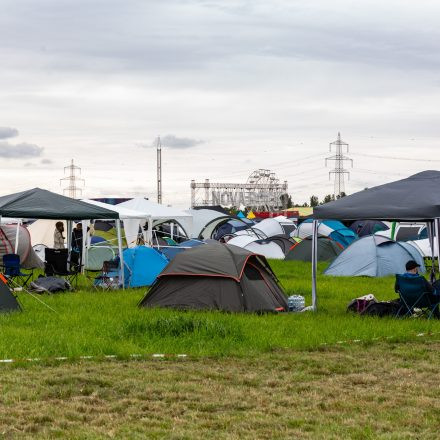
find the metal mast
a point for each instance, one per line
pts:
(159, 170)
(339, 171)
(72, 190)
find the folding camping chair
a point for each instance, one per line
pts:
(12, 271)
(413, 295)
(109, 278)
(57, 264)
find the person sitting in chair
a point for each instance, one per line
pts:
(412, 271)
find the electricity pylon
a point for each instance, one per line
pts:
(339, 171)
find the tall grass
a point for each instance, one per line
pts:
(99, 323)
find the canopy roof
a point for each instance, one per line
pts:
(414, 198)
(124, 213)
(42, 204)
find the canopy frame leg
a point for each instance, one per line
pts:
(314, 264)
(121, 255)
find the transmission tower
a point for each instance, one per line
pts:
(339, 171)
(72, 179)
(159, 170)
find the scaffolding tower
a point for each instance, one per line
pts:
(339, 171)
(72, 190)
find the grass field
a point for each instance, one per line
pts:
(246, 376)
(102, 323)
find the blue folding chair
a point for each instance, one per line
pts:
(12, 271)
(413, 294)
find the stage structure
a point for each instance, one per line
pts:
(261, 192)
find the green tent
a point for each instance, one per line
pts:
(42, 204)
(328, 250)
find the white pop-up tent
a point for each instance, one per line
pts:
(156, 212)
(130, 217)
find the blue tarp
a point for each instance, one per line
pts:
(142, 266)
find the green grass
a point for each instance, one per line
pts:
(89, 323)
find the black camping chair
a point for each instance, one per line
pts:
(12, 271)
(57, 264)
(413, 295)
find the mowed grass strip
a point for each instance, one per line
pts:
(387, 391)
(94, 323)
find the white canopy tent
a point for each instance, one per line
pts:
(130, 217)
(154, 211)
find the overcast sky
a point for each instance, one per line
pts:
(231, 86)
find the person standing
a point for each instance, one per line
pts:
(77, 244)
(58, 237)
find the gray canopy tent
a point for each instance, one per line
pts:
(416, 198)
(39, 203)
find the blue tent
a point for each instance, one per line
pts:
(329, 228)
(374, 256)
(171, 252)
(241, 215)
(142, 266)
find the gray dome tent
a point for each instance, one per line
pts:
(217, 277)
(374, 256)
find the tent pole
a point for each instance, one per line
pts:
(437, 241)
(430, 227)
(121, 256)
(17, 234)
(150, 231)
(172, 230)
(314, 264)
(85, 245)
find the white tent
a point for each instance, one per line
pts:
(155, 211)
(130, 217)
(251, 243)
(424, 247)
(206, 219)
(42, 231)
(269, 227)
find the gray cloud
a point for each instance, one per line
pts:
(46, 161)
(172, 141)
(8, 132)
(19, 151)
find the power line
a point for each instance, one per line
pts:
(377, 156)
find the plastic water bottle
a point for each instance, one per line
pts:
(296, 303)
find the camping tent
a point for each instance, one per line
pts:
(8, 236)
(142, 265)
(267, 248)
(269, 227)
(424, 247)
(374, 256)
(368, 227)
(230, 227)
(217, 276)
(131, 229)
(405, 231)
(399, 200)
(8, 302)
(327, 228)
(160, 213)
(328, 250)
(205, 221)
